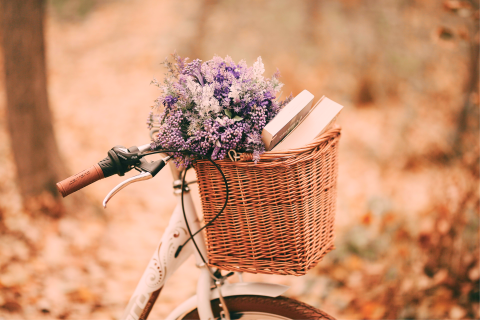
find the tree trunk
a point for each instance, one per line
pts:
(28, 115)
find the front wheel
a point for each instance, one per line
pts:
(265, 308)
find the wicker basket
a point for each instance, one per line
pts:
(280, 213)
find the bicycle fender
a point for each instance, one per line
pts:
(231, 289)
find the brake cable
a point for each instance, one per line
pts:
(192, 235)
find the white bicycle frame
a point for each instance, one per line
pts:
(163, 265)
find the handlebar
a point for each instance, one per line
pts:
(80, 180)
(119, 161)
(103, 169)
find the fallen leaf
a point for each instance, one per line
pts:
(474, 273)
(373, 310)
(457, 312)
(366, 219)
(440, 276)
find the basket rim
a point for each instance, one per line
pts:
(327, 135)
(285, 157)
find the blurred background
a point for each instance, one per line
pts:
(407, 226)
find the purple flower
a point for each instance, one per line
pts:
(213, 107)
(194, 69)
(169, 100)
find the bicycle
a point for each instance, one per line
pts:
(216, 297)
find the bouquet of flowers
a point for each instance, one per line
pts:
(212, 107)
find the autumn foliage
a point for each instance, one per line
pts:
(407, 224)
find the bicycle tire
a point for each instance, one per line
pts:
(261, 307)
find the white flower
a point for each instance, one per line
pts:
(225, 103)
(195, 90)
(220, 121)
(258, 69)
(206, 102)
(228, 60)
(277, 85)
(247, 98)
(235, 91)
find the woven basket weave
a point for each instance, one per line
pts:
(280, 213)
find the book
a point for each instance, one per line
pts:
(322, 117)
(287, 119)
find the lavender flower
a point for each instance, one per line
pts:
(169, 101)
(211, 107)
(150, 120)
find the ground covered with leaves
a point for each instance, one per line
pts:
(408, 194)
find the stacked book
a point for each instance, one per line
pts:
(299, 122)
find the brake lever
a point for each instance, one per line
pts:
(140, 177)
(148, 171)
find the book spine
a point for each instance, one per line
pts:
(288, 128)
(267, 139)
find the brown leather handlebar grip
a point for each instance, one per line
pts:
(80, 180)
